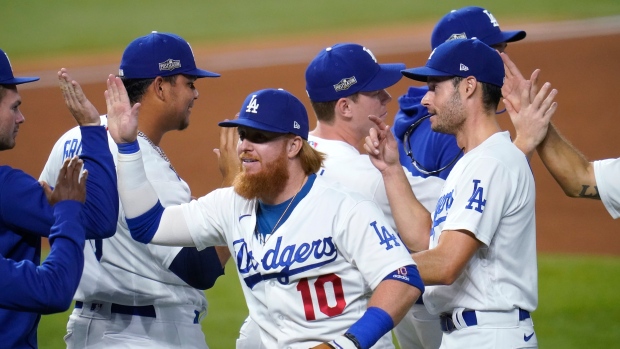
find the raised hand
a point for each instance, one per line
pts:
(80, 107)
(227, 157)
(381, 145)
(122, 117)
(71, 183)
(532, 121)
(514, 82)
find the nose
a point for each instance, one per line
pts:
(20, 118)
(196, 94)
(426, 99)
(385, 97)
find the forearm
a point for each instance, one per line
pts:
(573, 172)
(100, 212)
(413, 221)
(48, 288)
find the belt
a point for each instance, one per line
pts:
(144, 310)
(469, 316)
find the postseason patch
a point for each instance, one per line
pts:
(345, 84)
(170, 64)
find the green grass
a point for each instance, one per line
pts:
(55, 28)
(579, 306)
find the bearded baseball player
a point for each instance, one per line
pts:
(345, 85)
(308, 254)
(480, 270)
(134, 295)
(427, 153)
(30, 210)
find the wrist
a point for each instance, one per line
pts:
(128, 148)
(346, 341)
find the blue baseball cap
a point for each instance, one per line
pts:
(462, 57)
(159, 54)
(472, 22)
(345, 69)
(272, 110)
(6, 72)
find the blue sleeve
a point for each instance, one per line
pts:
(48, 288)
(100, 212)
(23, 205)
(144, 227)
(198, 269)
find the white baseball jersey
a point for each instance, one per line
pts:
(312, 278)
(119, 269)
(490, 192)
(345, 164)
(606, 173)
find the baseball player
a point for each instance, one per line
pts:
(308, 253)
(427, 153)
(345, 85)
(26, 215)
(422, 151)
(578, 177)
(480, 270)
(134, 295)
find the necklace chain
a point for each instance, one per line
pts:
(158, 149)
(263, 239)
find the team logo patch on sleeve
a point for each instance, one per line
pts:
(476, 201)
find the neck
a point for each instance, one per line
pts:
(336, 133)
(477, 130)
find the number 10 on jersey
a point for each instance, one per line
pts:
(325, 294)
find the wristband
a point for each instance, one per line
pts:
(128, 148)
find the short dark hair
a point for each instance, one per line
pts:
(136, 88)
(325, 110)
(491, 94)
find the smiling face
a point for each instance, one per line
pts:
(443, 102)
(264, 163)
(10, 116)
(182, 93)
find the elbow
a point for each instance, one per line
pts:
(447, 277)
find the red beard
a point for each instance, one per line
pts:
(271, 179)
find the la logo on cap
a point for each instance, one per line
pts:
(252, 106)
(492, 18)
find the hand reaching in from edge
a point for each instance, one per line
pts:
(122, 117)
(80, 107)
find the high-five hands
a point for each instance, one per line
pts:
(122, 117)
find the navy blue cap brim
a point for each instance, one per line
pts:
(388, 75)
(20, 80)
(504, 36)
(203, 73)
(251, 124)
(422, 73)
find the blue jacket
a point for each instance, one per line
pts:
(26, 216)
(431, 149)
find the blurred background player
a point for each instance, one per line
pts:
(433, 153)
(27, 215)
(345, 85)
(425, 152)
(134, 295)
(294, 235)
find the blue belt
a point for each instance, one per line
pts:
(145, 310)
(447, 324)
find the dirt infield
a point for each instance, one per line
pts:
(584, 69)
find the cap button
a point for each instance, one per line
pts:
(154, 32)
(328, 49)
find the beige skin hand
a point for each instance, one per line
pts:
(381, 145)
(71, 183)
(530, 110)
(122, 117)
(80, 107)
(228, 160)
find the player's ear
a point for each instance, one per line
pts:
(343, 107)
(157, 86)
(471, 84)
(294, 146)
